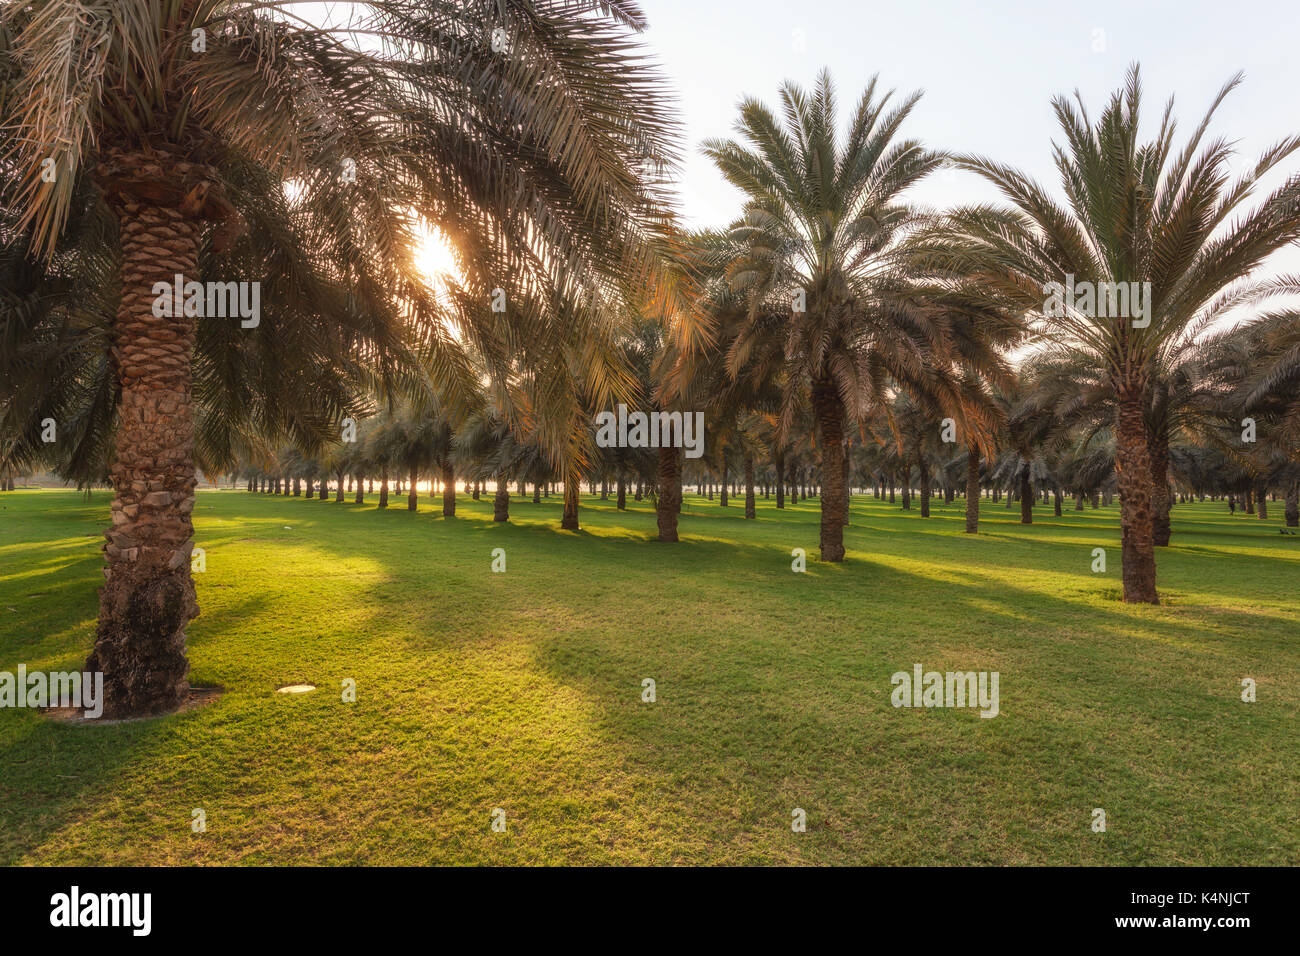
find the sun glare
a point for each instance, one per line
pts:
(435, 256)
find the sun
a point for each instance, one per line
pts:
(435, 256)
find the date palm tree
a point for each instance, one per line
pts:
(821, 262)
(205, 130)
(1135, 212)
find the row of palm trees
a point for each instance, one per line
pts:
(832, 321)
(1051, 440)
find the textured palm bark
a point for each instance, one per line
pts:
(1133, 468)
(1026, 497)
(501, 503)
(1161, 503)
(412, 495)
(1056, 501)
(338, 492)
(749, 486)
(972, 491)
(569, 520)
(448, 492)
(148, 594)
(828, 409)
(778, 461)
(670, 493)
(1292, 504)
(361, 495)
(925, 487)
(622, 492)
(383, 486)
(722, 495)
(1261, 500)
(537, 492)
(848, 487)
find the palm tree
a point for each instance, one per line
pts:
(1135, 213)
(214, 129)
(819, 261)
(1254, 371)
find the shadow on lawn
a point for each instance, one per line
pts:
(724, 664)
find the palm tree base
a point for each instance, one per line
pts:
(140, 643)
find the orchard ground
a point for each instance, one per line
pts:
(523, 690)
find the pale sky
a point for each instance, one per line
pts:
(989, 71)
(988, 68)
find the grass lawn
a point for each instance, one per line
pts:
(522, 690)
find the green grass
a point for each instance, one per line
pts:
(523, 690)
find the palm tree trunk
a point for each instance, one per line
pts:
(828, 408)
(1026, 496)
(848, 488)
(360, 497)
(722, 493)
(778, 460)
(1133, 465)
(148, 595)
(448, 492)
(749, 486)
(622, 491)
(383, 486)
(537, 492)
(1261, 496)
(412, 496)
(569, 520)
(1056, 501)
(338, 493)
(925, 487)
(1161, 503)
(670, 493)
(501, 503)
(1293, 504)
(972, 491)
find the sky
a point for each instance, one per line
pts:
(989, 71)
